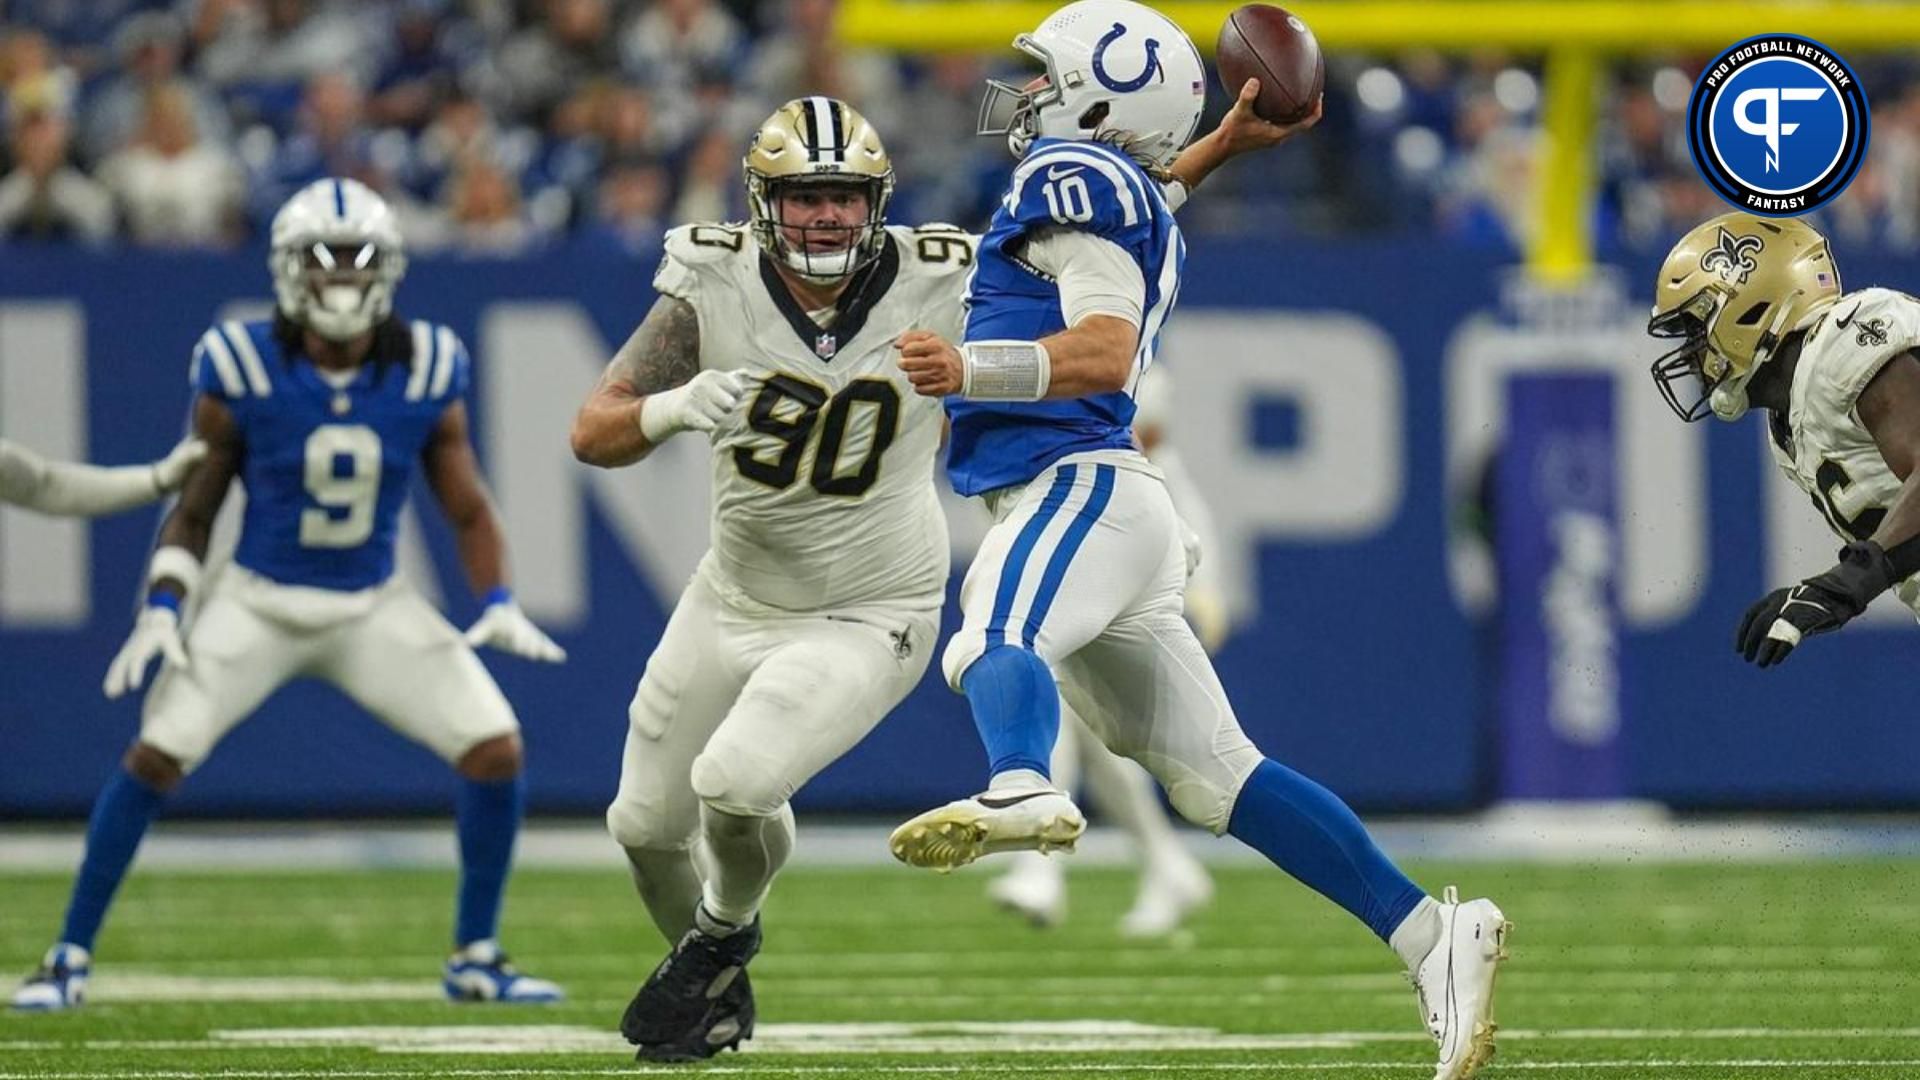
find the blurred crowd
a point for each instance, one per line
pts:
(500, 126)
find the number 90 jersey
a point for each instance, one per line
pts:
(326, 468)
(1823, 447)
(823, 493)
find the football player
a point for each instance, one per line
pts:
(1756, 306)
(324, 413)
(65, 489)
(1080, 580)
(814, 611)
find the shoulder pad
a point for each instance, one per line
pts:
(935, 250)
(1085, 186)
(691, 249)
(440, 369)
(227, 362)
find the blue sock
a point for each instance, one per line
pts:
(1308, 832)
(1015, 707)
(487, 817)
(120, 818)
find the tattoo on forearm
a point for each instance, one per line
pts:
(664, 351)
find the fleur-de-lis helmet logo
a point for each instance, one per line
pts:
(1732, 257)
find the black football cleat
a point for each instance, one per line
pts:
(676, 1000)
(728, 1024)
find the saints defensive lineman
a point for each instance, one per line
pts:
(815, 611)
(66, 489)
(1757, 307)
(323, 413)
(1081, 579)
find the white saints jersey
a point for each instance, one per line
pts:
(823, 493)
(1823, 447)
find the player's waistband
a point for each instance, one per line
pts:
(1001, 501)
(302, 606)
(713, 574)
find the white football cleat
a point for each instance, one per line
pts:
(60, 984)
(1034, 887)
(1172, 887)
(1455, 984)
(481, 972)
(1009, 819)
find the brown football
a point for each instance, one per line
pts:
(1260, 41)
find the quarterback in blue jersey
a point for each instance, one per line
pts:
(1079, 582)
(323, 413)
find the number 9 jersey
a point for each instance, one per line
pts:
(822, 485)
(326, 464)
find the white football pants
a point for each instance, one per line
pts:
(738, 710)
(384, 647)
(1085, 566)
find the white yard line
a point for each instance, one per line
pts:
(957, 1069)
(1529, 835)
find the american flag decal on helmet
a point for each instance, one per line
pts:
(1822, 278)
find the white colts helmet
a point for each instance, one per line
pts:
(336, 259)
(1116, 71)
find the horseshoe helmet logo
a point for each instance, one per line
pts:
(1122, 86)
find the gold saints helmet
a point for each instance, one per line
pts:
(818, 140)
(1730, 290)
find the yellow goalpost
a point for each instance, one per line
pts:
(1576, 38)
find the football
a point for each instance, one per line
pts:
(1260, 41)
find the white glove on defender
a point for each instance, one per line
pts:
(155, 633)
(697, 405)
(171, 471)
(505, 627)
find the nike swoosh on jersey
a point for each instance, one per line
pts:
(1061, 172)
(1841, 323)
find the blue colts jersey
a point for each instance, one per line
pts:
(326, 469)
(1060, 184)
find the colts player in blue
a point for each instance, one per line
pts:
(1079, 583)
(323, 413)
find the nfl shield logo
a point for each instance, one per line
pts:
(825, 346)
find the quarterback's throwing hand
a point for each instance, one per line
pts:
(1242, 130)
(155, 633)
(1819, 605)
(505, 627)
(932, 364)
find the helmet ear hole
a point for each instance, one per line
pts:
(1094, 114)
(1754, 314)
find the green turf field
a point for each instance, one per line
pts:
(1795, 970)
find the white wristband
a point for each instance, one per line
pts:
(1005, 370)
(177, 563)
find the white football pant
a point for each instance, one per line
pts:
(384, 647)
(1086, 566)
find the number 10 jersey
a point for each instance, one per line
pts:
(823, 492)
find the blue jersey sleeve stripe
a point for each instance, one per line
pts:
(224, 364)
(1123, 190)
(249, 357)
(446, 350)
(1166, 292)
(196, 363)
(422, 360)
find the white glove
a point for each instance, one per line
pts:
(171, 471)
(505, 627)
(697, 405)
(155, 633)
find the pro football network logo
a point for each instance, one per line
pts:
(1778, 125)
